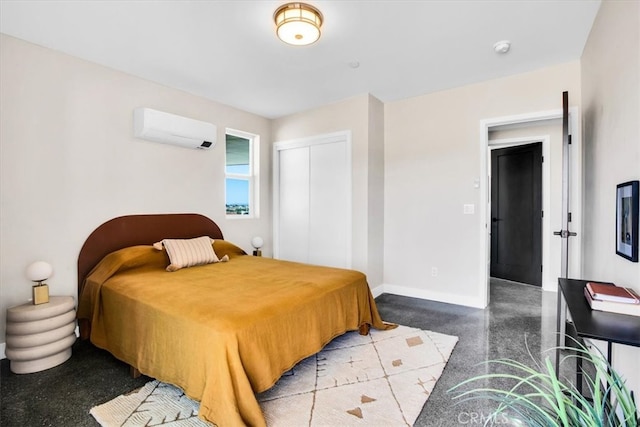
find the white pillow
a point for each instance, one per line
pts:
(188, 252)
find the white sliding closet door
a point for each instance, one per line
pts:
(294, 205)
(329, 218)
(312, 200)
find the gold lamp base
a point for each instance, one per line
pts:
(40, 294)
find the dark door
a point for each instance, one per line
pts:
(516, 213)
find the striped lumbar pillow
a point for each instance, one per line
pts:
(188, 252)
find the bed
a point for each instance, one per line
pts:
(221, 331)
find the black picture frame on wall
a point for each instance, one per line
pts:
(627, 220)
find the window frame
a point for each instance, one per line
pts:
(253, 177)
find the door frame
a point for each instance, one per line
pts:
(546, 191)
(328, 138)
(575, 261)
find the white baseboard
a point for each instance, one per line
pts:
(377, 291)
(474, 302)
(550, 286)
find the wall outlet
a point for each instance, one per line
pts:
(434, 271)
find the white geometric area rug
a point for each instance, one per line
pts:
(382, 379)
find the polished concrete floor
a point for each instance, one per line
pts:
(519, 322)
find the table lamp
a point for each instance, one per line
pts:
(257, 243)
(39, 271)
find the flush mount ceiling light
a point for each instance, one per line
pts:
(298, 23)
(502, 46)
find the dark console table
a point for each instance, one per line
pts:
(594, 324)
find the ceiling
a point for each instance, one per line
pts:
(227, 51)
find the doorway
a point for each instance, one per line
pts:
(516, 214)
(550, 258)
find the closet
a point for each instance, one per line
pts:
(312, 200)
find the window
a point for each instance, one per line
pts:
(241, 174)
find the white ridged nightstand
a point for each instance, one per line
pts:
(40, 336)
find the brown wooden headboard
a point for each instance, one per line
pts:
(132, 230)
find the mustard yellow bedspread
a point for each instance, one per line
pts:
(223, 331)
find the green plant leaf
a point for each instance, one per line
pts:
(539, 397)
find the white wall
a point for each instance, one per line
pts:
(69, 162)
(375, 238)
(432, 160)
(352, 114)
(611, 123)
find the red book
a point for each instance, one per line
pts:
(605, 292)
(612, 307)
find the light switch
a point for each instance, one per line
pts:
(469, 209)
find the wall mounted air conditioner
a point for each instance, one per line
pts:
(168, 128)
